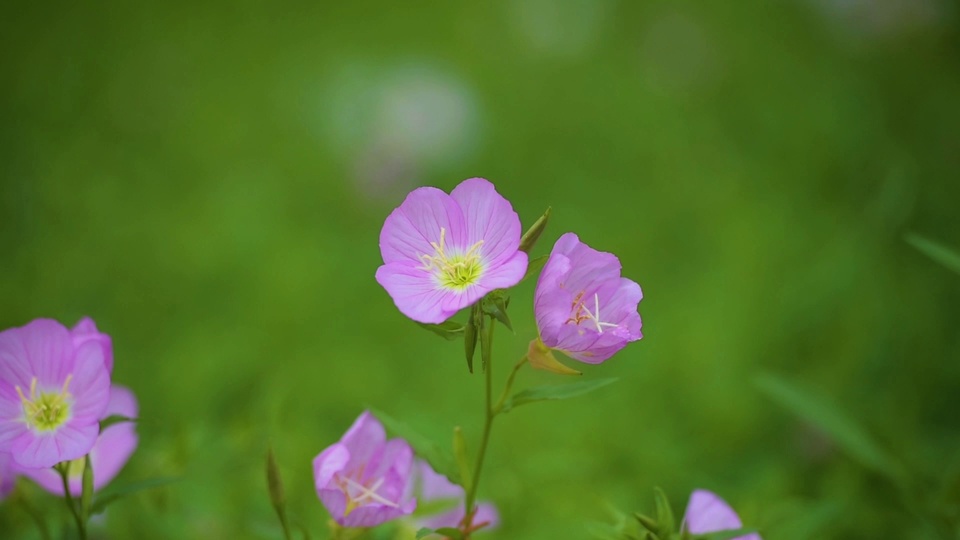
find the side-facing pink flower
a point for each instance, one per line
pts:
(583, 307)
(86, 330)
(52, 394)
(442, 253)
(435, 488)
(8, 475)
(110, 453)
(706, 513)
(364, 479)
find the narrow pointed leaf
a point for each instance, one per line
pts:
(486, 341)
(665, 521)
(436, 455)
(463, 459)
(848, 434)
(529, 238)
(936, 251)
(470, 338)
(554, 392)
(449, 330)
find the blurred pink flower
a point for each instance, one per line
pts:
(442, 252)
(52, 393)
(582, 305)
(364, 479)
(435, 487)
(706, 513)
(108, 455)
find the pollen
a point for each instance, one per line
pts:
(359, 493)
(580, 313)
(454, 270)
(46, 411)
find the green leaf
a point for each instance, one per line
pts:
(449, 330)
(936, 251)
(529, 238)
(436, 455)
(486, 341)
(108, 497)
(114, 419)
(665, 520)
(849, 435)
(448, 532)
(729, 534)
(470, 336)
(535, 265)
(552, 392)
(495, 305)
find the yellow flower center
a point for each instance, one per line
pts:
(454, 270)
(46, 411)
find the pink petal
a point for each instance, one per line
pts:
(706, 512)
(38, 450)
(90, 385)
(415, 292)
(42, 349)
(490, 218)
(409, 230)
(86, 330)
(508, 274)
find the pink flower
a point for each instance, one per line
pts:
(110, 453)
(53, 393)
(435, 487)
(442, 253)
(8, 475)
(364, 479)
(583, 307)
(706, 513)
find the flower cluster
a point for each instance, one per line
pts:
(55, 389)
(442, 253)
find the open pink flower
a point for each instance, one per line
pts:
(435, 488)
(52, 393)
(583, 307)
(442, 253)
(8, 475)
(110, 453)
(364, 479)
(706, 513)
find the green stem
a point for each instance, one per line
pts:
(64, 470)
(489, 415)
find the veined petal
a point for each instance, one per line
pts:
(42, 349)
(415, 292)
(328, 463)
(90, 384)
(507, 274)
(489, 218)
(39, 450)
(410, 230)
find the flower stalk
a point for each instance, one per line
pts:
(63, 468)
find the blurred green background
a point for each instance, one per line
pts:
(208, 182)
